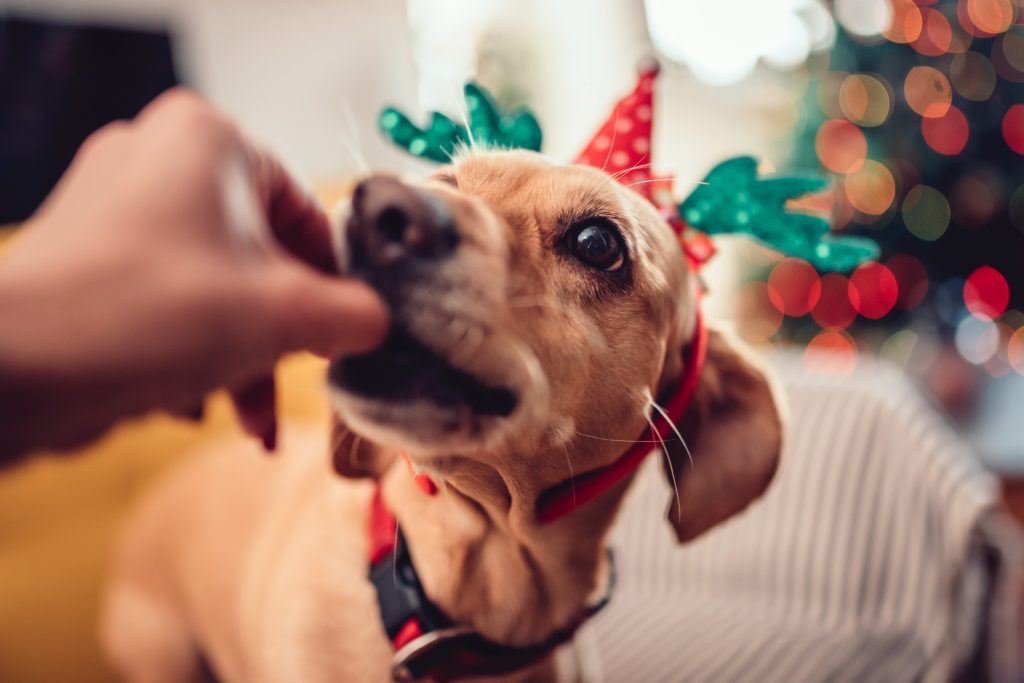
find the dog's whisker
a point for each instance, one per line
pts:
(661, 411)
(668, 462)
(351, 140)
(658, 180)
(634, 167)
(469, 130)
(604, 438)
(572, 475)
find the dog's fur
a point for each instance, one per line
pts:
(260, 563)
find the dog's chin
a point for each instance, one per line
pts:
(407, 395)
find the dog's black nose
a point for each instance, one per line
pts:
(393, 224)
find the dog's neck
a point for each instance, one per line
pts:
(486, 562)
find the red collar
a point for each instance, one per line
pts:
(570, 495)
(428, 646)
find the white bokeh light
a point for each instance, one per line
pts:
(722, 42)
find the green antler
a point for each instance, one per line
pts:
(736, 200)
(488, 126)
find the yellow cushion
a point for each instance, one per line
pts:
(59, 516)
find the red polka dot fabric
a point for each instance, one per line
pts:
(622, 147)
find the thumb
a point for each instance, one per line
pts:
(328, 315)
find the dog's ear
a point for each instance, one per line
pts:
(355, 457)
(734, 432)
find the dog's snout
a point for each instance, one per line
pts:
(394, 223)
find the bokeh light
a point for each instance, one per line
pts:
(928, 92)
(986, 293)
(828, 93)
(899, 347)
(873, 290)
(936, 34)
(946, 134)
(906, 23)
(1015, 350)
(963, 16)
(871, 189)
(831, 352)
(976, 340)
(911, 280)
(1011, 45)
(841, 146)
(990, 16)
(756, 316)
(926, 213)
(834, 308)
(865, 18)
(973, 76)
(865, 99)
(794, 287)
(1013, 128)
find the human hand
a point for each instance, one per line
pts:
(173, 257)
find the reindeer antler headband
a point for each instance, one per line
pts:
(733, 199)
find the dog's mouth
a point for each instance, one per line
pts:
(404, 370)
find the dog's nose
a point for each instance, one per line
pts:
(393, 223)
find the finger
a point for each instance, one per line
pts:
(327, 315)
(295, 218)
(255, 404)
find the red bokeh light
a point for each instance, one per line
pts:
(947, 134)
(873, 290)
(1013, 128)
(911, 280)
(936, 34)
(794, 287)
(834, 308)
(986, 293)
(841, 146)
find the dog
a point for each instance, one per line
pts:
(541, 312)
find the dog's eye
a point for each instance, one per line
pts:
(597, 244)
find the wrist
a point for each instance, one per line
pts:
(51, 396)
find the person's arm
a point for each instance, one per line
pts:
(174, 257)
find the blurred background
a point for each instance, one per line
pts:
(915, 108)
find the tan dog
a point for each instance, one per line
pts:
(537, 308)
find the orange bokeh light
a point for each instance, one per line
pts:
(906, 22)
(831, 352)
(871, 189)
(928, 92)
(990, 16)
(947, 134)
(841, 146)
